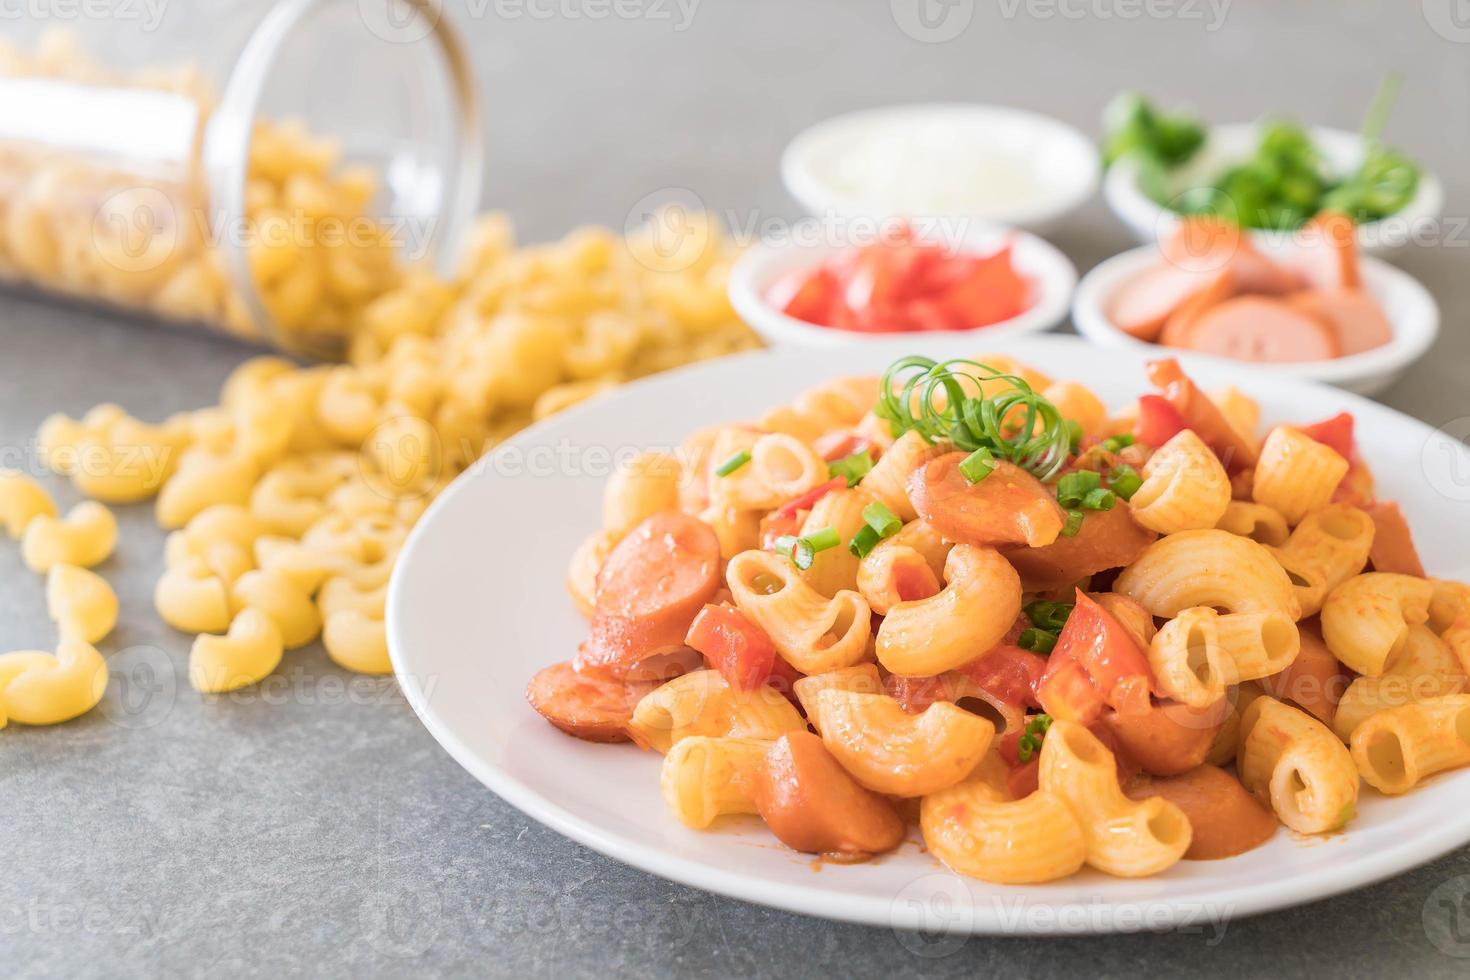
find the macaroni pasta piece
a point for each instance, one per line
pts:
(582, 573)
(1398, 748)
(1187, 661)
(204, 478)
(1366, 619)
(1296, 474)
(84, 537)
(861, 679)
(1184, 488)
(706, 777)
(647, 485)
(909, 565)
(835, 569)
(1127, 838)
(889, 478)
(1327, 548)
(1207, 568)
(810, 631)
(1294, 764)
(21, 500)
(80, 602)
(703, 703)
(44, 689)
(977, 830)
(245, 655)
(357, 641)
(191, 598)
(1424, 668)
(1258, 522)
(980, 600)
(287, 604)
(892, 752)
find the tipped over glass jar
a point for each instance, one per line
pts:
(302, 163)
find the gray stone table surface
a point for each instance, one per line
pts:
(313, 826)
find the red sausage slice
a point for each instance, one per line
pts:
(1255, 328)
(811, 804)
(1010, 506)
(1142, 304)
(591, 708)
(1355, 318)
(1108, 539)
(649, 590)
(1181, 323)
(1326, 254)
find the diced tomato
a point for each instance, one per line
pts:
(1336, 432)
(1067, 693)
(1008, 673)
(732, 645)
(990, 292)
(1158, 421)
(1108, 653)
(1393, 542)
(807, 500)
(1202, 415)
(805, 294)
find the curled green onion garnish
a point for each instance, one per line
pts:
(941, 402)
(1073, 525)
(853, 468)
(733, 463)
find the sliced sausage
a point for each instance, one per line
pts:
(1226, 819)
(1168, 738)
(649, 590)
(1142, 304)
(591, 708)
(1355, 318)
(1108, 539)
(1009, 506)
(1180, 325)
(1315, 680)
(1393, 543)
(1326, 253)
(811, 804)
(1257, 328)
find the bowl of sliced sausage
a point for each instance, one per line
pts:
(1308, 306)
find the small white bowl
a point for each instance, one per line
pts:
(1230, 144)
(1411, 311)
(907, 146)
(1052, 275)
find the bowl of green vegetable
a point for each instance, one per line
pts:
(1271, 176)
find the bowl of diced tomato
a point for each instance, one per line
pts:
(903, 280)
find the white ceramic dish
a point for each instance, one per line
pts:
(1409, 307)
(1229, 144)
(932, 154)
(1051, 272)
(477, 606)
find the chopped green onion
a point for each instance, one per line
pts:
(864, 541)
(822, 539)
(1099, 499)
(1037, 640)
(1026, 747)
(784, 544)
(1072, 487)
(882, 520)
(733, 463)
(853, 467)
(1046, 615)
(1120, 441)
(1125, 481)
(1073, 525)
(978, 465)
(1074, 432)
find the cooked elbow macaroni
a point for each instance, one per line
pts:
(1367, 618)
(1208, 568)
(1397, 748)
(46, 689)
(1184, 487)
(1297, 766)
(1296, 474)
(892, 752)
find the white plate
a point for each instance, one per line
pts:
(1411, 311)
(1051, 273)
(477, 606)
(1228, 144)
